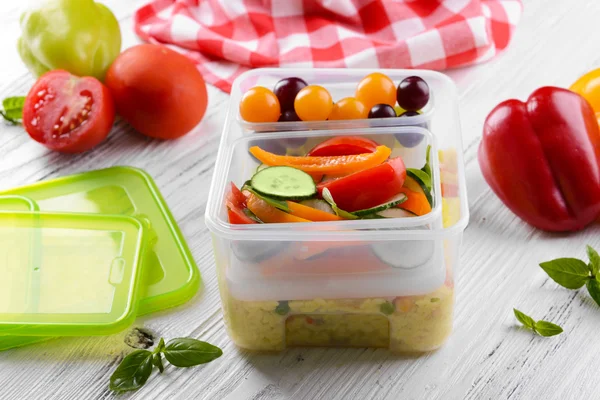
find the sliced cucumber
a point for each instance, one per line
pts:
(319, 205)
(394, 201)
(414, 183)
(280, 204)
(404, 254)
(284, 183)
(255, 252)
(261, 167)
(395, 213)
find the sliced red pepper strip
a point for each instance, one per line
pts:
(335, 165)
(344, 146)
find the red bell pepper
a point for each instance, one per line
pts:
(542, 159)
(367, 188)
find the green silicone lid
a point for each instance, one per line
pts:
(17, 203)
(69, 274)
(171, 276)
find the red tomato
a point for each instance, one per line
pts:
(344, 146)
(368, 188)
(158, 91)
(236, 197)
(68, 114)
(236, 203)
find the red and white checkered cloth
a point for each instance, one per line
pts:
(227, 37)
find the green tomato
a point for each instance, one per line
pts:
(80, 36)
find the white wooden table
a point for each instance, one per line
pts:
(487, 357)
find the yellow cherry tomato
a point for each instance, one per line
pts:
(376, 88)
(259, 104)
(313, 103)
(348, 108)
(589, 87)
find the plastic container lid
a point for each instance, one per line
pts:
(17, 203)
(171, 276)
(69, 274)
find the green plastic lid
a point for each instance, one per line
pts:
(17, 203)
(171, 276)
(69, 274)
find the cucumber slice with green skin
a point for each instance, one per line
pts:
(280, 204)
(393, 202)
(395, 213)
(261, 167)
(423, 185)
(319, 205)
(284, 183)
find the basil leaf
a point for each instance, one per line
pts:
(427, 167)
(422, 176)
(160, 347)
(13, 109)
(186, 352)
(567, 272)
(594, 260)
(338, 211)
(252, 216)
(526, 320)
(545, 328)
(593, 287)
(133, 372)
(280, 204)
(157, 360)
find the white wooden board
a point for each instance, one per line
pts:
(487, 357)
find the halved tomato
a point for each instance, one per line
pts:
(67, 113)
(235, 202)
(344, 146)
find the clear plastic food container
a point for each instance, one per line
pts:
(363, 283)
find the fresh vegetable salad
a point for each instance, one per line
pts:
(330, 234)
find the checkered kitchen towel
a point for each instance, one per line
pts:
(227, 37)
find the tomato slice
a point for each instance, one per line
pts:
(236, 197)
(343, 146)
(367, 188)
(236, 203)
(68, 114)
(236, 215)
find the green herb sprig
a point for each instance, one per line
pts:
(573, 273)
(136, 367)
(542, 328)
(12, 109)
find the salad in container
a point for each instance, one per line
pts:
(337, 209)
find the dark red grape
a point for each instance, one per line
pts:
(286, 91)
(410, 139)
(412, 93)
(382, 111)
(409, 114)
(288, 116)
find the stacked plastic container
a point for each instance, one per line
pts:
(363, 283)
(85, 254)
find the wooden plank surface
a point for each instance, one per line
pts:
(487, 357)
